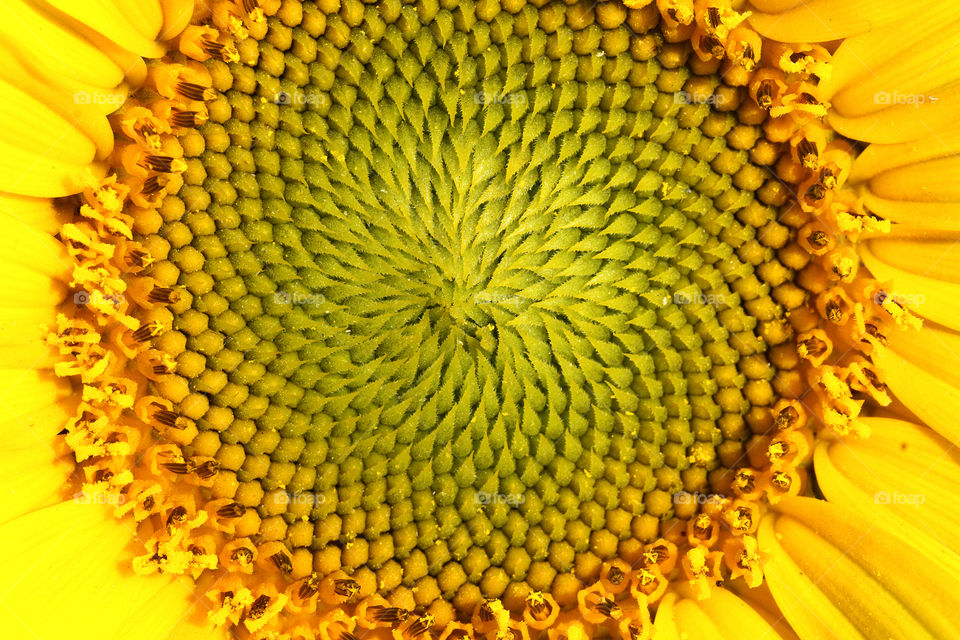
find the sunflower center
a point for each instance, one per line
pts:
(474, 294)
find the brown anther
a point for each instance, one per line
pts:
(167, 418)
(179, 468)
(212, 48)
(808, 154)
(163, 295)
(655, 555)
(807, 98)
(786, 419)
(346, 635)
(177, 515)
(765, 95)
(391, 615)
(249, 6)
(420, 626)
(816, 192)
(873, 379)
(873, 331)
(147, 332)
(208, 469)
(746, 480)
(834, 312)
(713, 17)
(615, 575)
(186, 119)
(346, 588)
(161, 369)
(231, 510)
(813, 347)
(743, 519)
(259, 607)
(608, 608)
(148, 503)
(196, 92)
(283, 562)
(712, 45)
(158, 163)
(538, 605)
(242, 555)
(780, 480)
(153, 185)
(702, 524)
(309, 587)
(827, 178)
(486, 613)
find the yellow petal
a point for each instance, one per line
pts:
(823, 20)
(175, 612)
(938, 300)
(55, 48)
(23, 287)
(24, 391)
(836, 572)
(877, 158)
(912, 62)
(73, 554)
(904, 121)
(176, 17)
(33, 127)
(22, 244)
(722, 616)
(903, 472)
(102, 17)
(935, 348)
(915, 219)
(22, 326)
(929, 181)
(810, 612)
(933, 400)
(145, 15)
(40, 213)
(31, 479)
(938, 259)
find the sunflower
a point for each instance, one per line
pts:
(349, 319)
